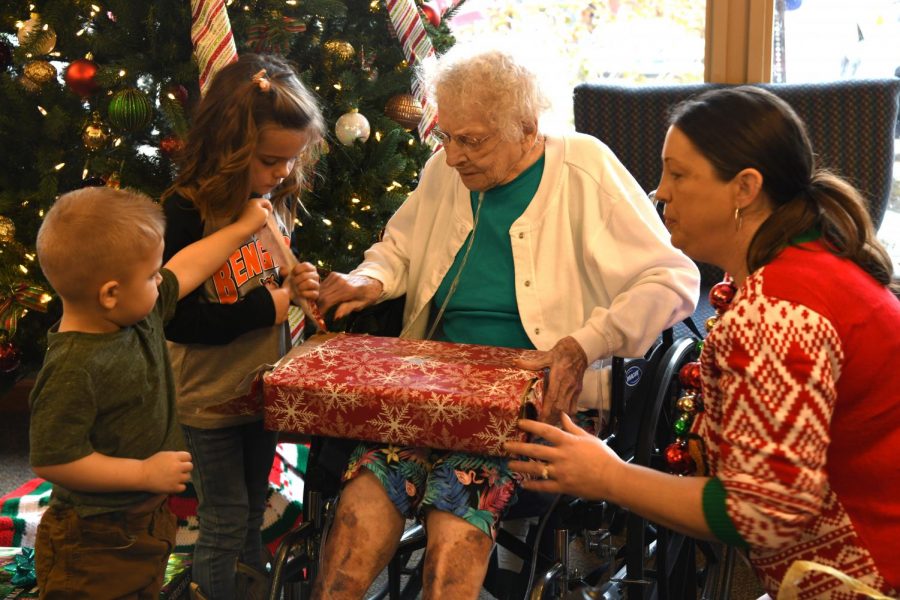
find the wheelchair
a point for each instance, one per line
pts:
(638, 559)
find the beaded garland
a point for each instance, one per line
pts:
(685, 455)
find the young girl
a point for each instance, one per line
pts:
(252, 135)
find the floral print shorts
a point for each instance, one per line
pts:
(476, 488)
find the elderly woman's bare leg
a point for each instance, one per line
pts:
(456, 558)
(362, 540)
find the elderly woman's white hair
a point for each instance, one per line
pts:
(489, 80)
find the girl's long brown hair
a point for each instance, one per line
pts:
(214, 167)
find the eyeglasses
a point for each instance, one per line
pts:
(466, 142)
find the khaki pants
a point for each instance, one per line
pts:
(115, 555)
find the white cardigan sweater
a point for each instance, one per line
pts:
(592, 258)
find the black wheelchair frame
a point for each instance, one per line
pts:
(649, 561)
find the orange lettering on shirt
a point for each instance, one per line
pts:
(236, 262)
(225, 290)
(265, 256)
(251, 260)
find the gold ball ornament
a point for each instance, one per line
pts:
(28, 84)
(96, 133)
(7, 230)
(405, 110)
(711, 322)
(338, 54)
(352, 126)
(39, 71)
(34, 29)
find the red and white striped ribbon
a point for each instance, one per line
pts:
(416, 46)
(212, 38)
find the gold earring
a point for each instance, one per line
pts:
(738, 219)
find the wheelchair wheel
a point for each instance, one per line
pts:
(660, 563)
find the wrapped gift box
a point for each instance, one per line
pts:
(177, 577)
(406, 392)
(12, 567)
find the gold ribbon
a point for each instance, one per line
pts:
(789, 585)
(20, 298)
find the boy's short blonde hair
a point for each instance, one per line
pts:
(94, 235)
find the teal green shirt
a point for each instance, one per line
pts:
(483, 309)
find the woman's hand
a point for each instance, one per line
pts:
(577, 463)
(567, 362)
(303, 282)
(348, 293)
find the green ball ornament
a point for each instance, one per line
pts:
(130, 110)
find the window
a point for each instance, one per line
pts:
(823, 40)
(637, 41)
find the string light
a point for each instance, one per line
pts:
(122, 73)
(298, 223)
(29, 256)
(377, 136)
(24, 269)
(320, 263)
(42, 110)
(350, 246)
(337, 86)
(327, 222)
(354, 224)
(354, 200)
(60, 166)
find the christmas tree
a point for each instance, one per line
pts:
(100, 93)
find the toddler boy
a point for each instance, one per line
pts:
(103, 422)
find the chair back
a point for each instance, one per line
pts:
(851, 126)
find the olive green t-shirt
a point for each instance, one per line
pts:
(110, 393)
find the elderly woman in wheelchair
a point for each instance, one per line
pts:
(795, 443)
(513, 238)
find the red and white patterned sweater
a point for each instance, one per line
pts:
(801, 382)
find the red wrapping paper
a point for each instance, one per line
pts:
(407, 392)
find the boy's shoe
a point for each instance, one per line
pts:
(196, 594)
(250, 584)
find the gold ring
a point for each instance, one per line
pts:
(545, 473)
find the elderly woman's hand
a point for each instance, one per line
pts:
(576, 462)
(348, 293)
(567, 362)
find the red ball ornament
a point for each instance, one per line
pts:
(721, 295)
(679, 458)
(171, 145)
(431, 13)
(689, 375)
(177, 92)
(81, 76)
(10, 359)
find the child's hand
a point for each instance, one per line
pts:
(303, 282)
(281, 297)
(255, 214)
(167, 472)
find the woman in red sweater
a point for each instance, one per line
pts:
(801, 429)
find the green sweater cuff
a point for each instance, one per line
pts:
(717, 516)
